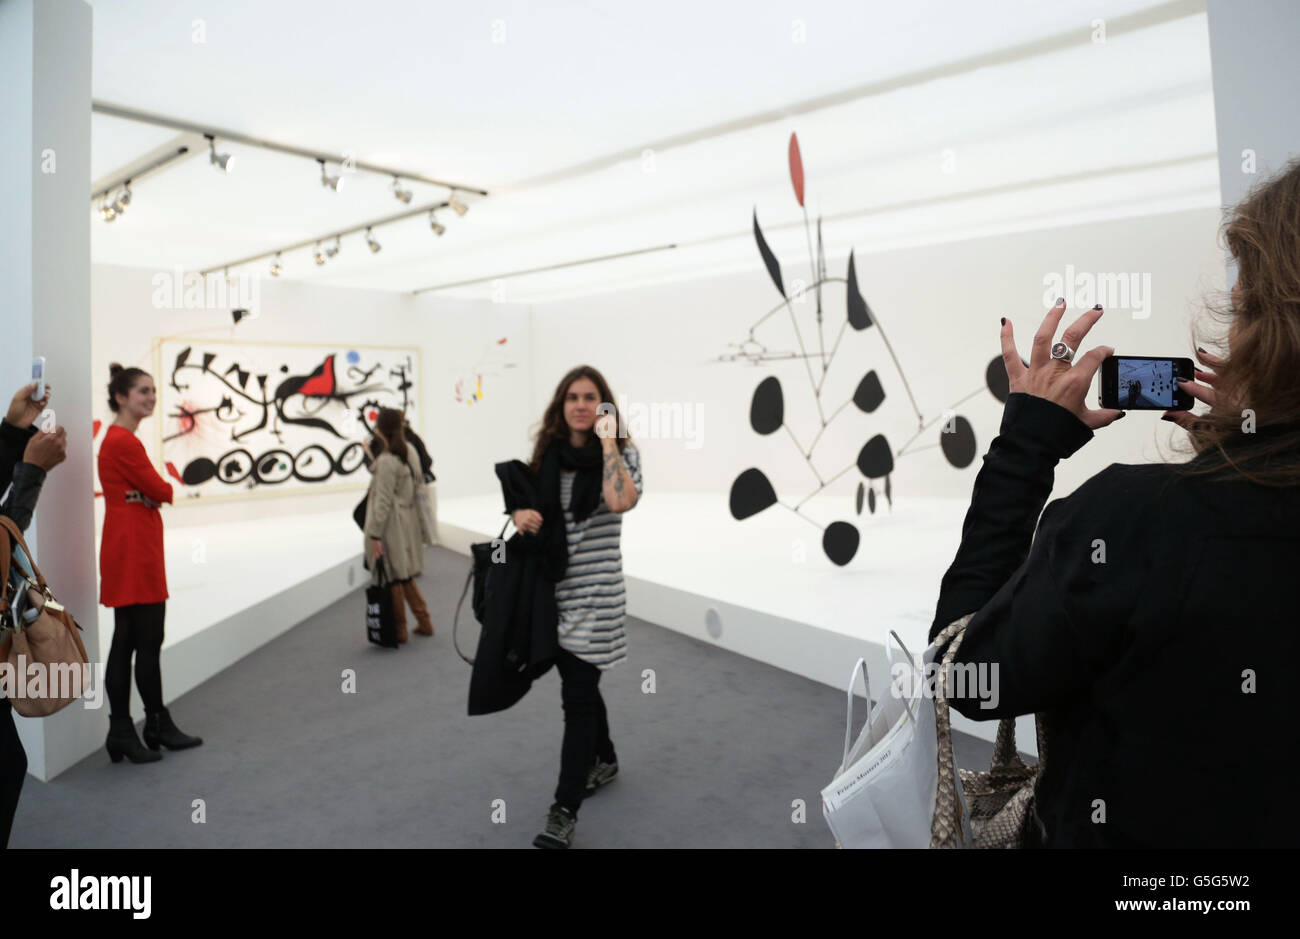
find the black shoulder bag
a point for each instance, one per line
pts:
(478, 574)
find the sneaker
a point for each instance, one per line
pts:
(558, 832)
(601, 774)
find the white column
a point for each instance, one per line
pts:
(1256, 74)
(45, 74)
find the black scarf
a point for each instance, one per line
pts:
(586, 462)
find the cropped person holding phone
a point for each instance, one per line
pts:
(26, 455)
(1151, 622)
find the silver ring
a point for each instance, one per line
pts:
(1061, 351)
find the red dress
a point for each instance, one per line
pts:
(131, 564)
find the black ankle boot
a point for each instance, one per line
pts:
(159, 730)
(122, 742)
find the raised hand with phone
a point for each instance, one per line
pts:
(26, 407)
(1052, 372)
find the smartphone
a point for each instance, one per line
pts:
(38, 376)
(1145, 383)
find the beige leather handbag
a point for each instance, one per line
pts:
(43, 667)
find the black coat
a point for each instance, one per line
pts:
(518, 643)
(426, 461)
(1163, 667)
(20, 501)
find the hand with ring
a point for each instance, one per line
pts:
(1052, 372)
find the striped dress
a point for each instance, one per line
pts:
(591, 598)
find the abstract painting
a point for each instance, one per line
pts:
(239, 418)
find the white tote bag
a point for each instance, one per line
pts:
(883, 794)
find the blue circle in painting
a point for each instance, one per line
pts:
(353, 356)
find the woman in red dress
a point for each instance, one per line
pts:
(133, 579)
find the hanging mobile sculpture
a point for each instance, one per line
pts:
(752, 491)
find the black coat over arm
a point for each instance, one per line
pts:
(518, 643)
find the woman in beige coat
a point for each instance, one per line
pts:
(398, 520)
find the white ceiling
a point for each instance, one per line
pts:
(554, 120)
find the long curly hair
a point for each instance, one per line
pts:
(1259, 372)
(553, 425)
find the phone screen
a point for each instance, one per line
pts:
(1145, 383)
(38, 369)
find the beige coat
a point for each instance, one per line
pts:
(398, 511)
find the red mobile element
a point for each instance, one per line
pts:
(796, 168)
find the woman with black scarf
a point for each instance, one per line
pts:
(588, 475)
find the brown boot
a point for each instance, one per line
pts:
(399, 612)
(419, 608)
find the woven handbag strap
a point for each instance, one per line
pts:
(945, 829)
(1006, 755)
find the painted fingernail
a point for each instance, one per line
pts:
(1122, 415)
(1060, 301)
(1199, 349)
(1166, 417)
(1004, 321)
(1097, 307)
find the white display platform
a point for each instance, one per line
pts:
(236, 586)
(764, 588)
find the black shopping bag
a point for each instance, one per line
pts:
(381, 624)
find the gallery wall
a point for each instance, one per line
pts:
(939, 307)
(457, 341)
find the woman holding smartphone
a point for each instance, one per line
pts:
(1150, 624)
(133, 576)
(26, 456)
(588, 476)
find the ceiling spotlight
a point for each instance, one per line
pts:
(458, 207)
(370, 240)
(317, 256)
(276, 269)
(106, 211)
(333, 249)
(402, 195)
(329, 182)
(123, 199)
(438, 227)
(222, 161)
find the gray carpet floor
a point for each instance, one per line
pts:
(715, 758)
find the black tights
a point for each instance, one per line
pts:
(137, 629)
(586, 728)
(13, 770)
